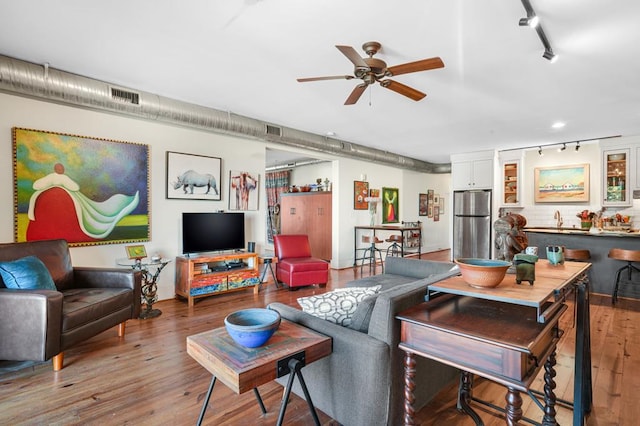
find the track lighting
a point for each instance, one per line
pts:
(577, 146)
(540, 151)
(563, 147)
(548, 54)
(530, 21)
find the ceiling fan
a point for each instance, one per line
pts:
(371, 70)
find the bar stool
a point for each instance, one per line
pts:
(395, 249)
(628, 256)
(579, 255)
(370, 252)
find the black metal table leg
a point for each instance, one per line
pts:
(294, 367)
(259, 398)
(465, 395)
(582, 392)
(205, 403)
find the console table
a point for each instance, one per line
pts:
(411, 238)
(540, 303)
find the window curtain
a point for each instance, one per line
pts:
(275, 184)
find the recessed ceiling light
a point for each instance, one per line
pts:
(331, 134)
(558, 125)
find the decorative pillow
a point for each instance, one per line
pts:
(337, 306)
(26, 273)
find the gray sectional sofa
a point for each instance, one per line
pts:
(362, 381)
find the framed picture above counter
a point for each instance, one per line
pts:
(562, 184)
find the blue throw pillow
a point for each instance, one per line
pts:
(26, 273)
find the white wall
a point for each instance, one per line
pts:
(236, 153)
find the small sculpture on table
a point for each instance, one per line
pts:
(510, 238)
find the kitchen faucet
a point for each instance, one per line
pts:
(558, 217)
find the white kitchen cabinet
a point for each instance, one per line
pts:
(472, 174)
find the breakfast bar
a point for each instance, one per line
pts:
(603, 270)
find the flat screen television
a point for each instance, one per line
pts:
(205, 232)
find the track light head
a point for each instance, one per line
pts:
(530, 21)
(548, 54)
(563, 147)
(577, 146)
(540, 151)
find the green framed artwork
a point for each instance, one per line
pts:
(85, 190)
(390, 205)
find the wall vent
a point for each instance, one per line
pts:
(125, 96)
(274, 130)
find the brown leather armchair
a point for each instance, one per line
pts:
(37, 325)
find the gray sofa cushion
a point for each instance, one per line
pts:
(362, 316)
(385, 281)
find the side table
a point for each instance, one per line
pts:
(242, 369)
(149, 282)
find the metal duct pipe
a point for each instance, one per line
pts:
(43, 82)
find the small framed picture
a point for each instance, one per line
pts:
(136, 252)
(423, 204)
(360, 191)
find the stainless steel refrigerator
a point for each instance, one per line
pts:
(472, 224)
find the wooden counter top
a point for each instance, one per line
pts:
(576, 231)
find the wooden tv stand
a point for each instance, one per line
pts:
(205, 275)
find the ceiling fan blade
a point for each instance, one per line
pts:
(353, 56)
(407, 91)
(355, 95)
(331, 77)
(423, 65)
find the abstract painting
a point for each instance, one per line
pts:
(390, 205)
(243, 190)
(82, 189)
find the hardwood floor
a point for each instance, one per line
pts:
(148, 378)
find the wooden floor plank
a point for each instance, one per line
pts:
(148, 378)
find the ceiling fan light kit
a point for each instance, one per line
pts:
(374, 70)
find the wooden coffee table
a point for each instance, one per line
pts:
(242, 369)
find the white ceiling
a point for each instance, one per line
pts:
(243, 56)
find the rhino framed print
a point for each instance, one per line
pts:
(193, 177)
(82, 189)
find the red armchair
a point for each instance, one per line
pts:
(296, 267)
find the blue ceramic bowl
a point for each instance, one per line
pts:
(252, 327)
(483, 273)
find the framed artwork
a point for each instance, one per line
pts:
(390, 205)
(360, 192)
(136, 252)
(82, 189)
(436, 213)
(243, 190)
(423, 204)
(430, 196)
(193, 177)
(374, 193)
(441, 205)
(561, 184)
